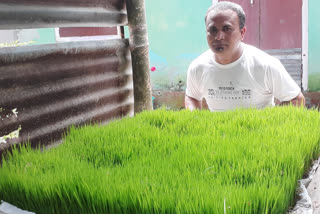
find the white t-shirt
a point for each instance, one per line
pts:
(251, 81)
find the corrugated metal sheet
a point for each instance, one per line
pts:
(55, 86)
(291, 60)
(23, 14)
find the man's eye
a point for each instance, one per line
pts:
(227, 29)
(212, 30)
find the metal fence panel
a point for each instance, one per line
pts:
(57, 85)
(23, 14)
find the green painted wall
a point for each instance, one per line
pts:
(39, 36)
(314, 46)
(47, 36)
(176, 33)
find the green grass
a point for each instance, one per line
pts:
(170, 162)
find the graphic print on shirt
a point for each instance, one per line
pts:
(229, 93)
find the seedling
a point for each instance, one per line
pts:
(241, 161)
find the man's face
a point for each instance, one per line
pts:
(223, 33)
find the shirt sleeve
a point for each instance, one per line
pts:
(283, 87)
(193, 84)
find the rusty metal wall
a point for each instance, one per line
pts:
(57, 85)
(23, 14)
(291, 60)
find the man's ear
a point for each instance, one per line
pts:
(243, 32)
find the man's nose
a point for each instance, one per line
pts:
(220, 35)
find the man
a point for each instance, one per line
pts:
(232, 74)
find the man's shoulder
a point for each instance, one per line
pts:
(259, 55)
(256, 52)
(203, 59)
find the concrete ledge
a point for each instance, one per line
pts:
(314, 192)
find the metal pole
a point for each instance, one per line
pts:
(139, 46)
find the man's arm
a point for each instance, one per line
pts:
(192, 104)
(297, 101)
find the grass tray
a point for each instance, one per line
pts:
(241, 161)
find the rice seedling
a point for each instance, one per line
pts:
(242, 161)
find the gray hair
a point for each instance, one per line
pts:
(226, 5)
